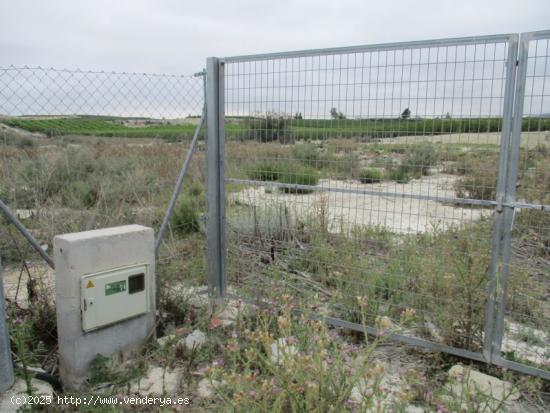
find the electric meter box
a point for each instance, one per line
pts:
(105, 297)
(114, 295)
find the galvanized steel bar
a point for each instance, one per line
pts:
(510, 196)
(215, 183)
(459, 41)
(179, 184)
(491, 305)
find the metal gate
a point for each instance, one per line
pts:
(376, 186)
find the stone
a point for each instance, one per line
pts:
(434, 331)
(196, 296)
(39, 388)
(158, 381)
(194, 340)
(462, 377)
(281, 349)
(162, 341)
(411, 408)
(206, 390)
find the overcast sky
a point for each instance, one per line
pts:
(172, 36)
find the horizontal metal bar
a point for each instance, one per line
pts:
(520, 367)
(525, 205)
(337, 322)
(409, 340)
(414, 341)
(450, 200)
(21, 228)
(459, 41)
(537, 35)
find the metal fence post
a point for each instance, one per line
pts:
(215, 185)
(6, 365)
(507, 122)
(510, 197)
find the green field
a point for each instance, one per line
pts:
(271, 128)
(91, 126)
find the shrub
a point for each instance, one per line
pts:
(479, 180)
(419, 159)
(185, 219)
(195, 189)
(299, 176)
(396, 172)
(371, 176)
(399, 175)
(306, 153)
(267, 170)
(82, 193)
(270, 128)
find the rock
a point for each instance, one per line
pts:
(162, 341)
(158, 381)
(281, 349)
(414, 409)
(434, 331)
(206, 390)
(196, 296)
(473, 380)
(229, 314)
(39, 388)
(230, 311)
(194, 340)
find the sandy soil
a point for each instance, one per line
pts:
(528, 139)
(399, 215)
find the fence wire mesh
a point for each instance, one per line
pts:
(81, 150)
(375, 185)
(364, 182)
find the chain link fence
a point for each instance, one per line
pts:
(81, 150)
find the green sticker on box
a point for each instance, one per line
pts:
(115, 287)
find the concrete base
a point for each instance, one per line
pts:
(89, 252)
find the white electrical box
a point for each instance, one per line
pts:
(115, 295)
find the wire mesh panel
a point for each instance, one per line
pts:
(81, 150)
(362, 181)
(525, 322)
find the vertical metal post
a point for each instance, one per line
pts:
(509, 211)
(507, 122)
(215, 178)
(6, 365)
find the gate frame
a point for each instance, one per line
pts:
(504, 204)
(510, 204)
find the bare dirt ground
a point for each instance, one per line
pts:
(345, 210)
(528, 139)
(16, 279)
